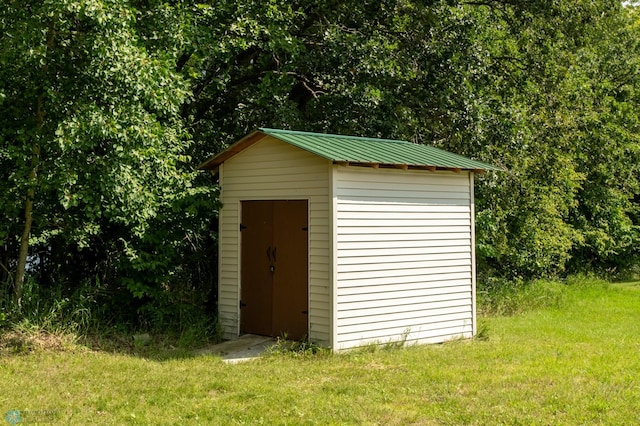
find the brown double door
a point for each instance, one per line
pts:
(274, 268)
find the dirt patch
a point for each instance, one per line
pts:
(18, 342)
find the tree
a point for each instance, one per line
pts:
(552, 115)
(92, 139)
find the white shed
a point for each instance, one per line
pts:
(345, 240)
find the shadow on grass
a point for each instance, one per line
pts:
(18, 340)
(21, 340)
(633, 285)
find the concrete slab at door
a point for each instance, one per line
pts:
(256, 293)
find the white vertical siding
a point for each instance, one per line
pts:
(271, 170)
(333, 234)
(403, 256)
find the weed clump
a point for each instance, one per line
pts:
(294, 348)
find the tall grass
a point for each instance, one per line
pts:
(47, 310)
(510, 297)
(50, 314)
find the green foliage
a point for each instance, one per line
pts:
(116, 200)
(558, 123)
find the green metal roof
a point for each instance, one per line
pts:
(358, 151)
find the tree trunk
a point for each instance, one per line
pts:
(23, 254)
(24, 246)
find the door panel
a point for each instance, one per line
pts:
(290, 289)
(257, 285)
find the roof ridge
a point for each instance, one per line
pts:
(303, 133)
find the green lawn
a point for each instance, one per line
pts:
(575, 364)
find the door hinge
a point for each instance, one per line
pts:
(305, 312)
(242, 227)
(242, 304)
(306, 228)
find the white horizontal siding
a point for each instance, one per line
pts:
(407, 229)
(393, 260)
(405, 195)
(404, 256)
(383, 274)
(363, 254)
(370, 267)
(367, 283)
(395, 309)
(381, 318)
(390, 295)
(271, 170)
(395, 286)
(435, 333)
(399, 208)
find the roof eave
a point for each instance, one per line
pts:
(214, 162)
(410, 166)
